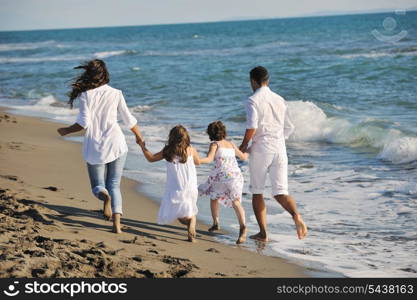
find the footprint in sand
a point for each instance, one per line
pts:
(51, 188)
(213, 250)
(10, 177)
(132, 241)
(8, 119)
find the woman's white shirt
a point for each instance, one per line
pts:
(104, 140)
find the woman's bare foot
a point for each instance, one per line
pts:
(117, 228)
(242, 235)
(259, 237)
(214, 227)
(107, 212)
(300, 226)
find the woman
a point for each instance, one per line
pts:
(105, 147)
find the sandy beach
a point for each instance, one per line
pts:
(51, 225)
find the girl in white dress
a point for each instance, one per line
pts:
(181, 191)
(225, 182)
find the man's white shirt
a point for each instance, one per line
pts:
(267, 112)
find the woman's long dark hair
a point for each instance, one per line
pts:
(95, 74)
(178, 143)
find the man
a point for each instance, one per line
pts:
(268, 125)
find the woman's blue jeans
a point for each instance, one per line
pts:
(107, 177)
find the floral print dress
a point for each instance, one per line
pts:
(225, 182)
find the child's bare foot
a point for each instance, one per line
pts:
(107, 212)
(184, 221)
(191, 237)
(259, 237)
(300, 226)
(214, 227)
(117, 229)
(191, 230)
(242, 235)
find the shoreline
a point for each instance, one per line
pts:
(75, 212)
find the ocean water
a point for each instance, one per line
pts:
(352, 97)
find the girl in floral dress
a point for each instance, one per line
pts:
(225, 182)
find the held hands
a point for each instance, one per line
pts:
(140, 142)
(246, 155)
(243, 148)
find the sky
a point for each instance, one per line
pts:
(54, 14)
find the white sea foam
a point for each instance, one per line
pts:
(142, 108)
(106, 54)
(376, 54)
(218, 52)
(48, 107)
(400, 150)
(36, 59)
(27, 46)
(41, 59)
(312, 124)
(409, 188)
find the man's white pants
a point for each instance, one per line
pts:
(276, 164)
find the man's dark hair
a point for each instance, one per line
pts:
(259, 74)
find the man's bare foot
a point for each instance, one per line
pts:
(214, 227)
(300, 226)
(242, 235)
(259, 237)
(107, 212)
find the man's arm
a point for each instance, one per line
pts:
(249, 133)
(288, 125)
(251, 124)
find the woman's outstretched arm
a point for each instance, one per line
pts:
(136, 131)
(210, 154)
(148, 154)
(83, 118)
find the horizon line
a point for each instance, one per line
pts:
(230, 20)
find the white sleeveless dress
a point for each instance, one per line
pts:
(225, 181)
(181, 191)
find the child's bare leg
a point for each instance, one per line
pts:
(184, 221)
(240, 213)
(214, 205)
(191, 229)
(117, 228)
